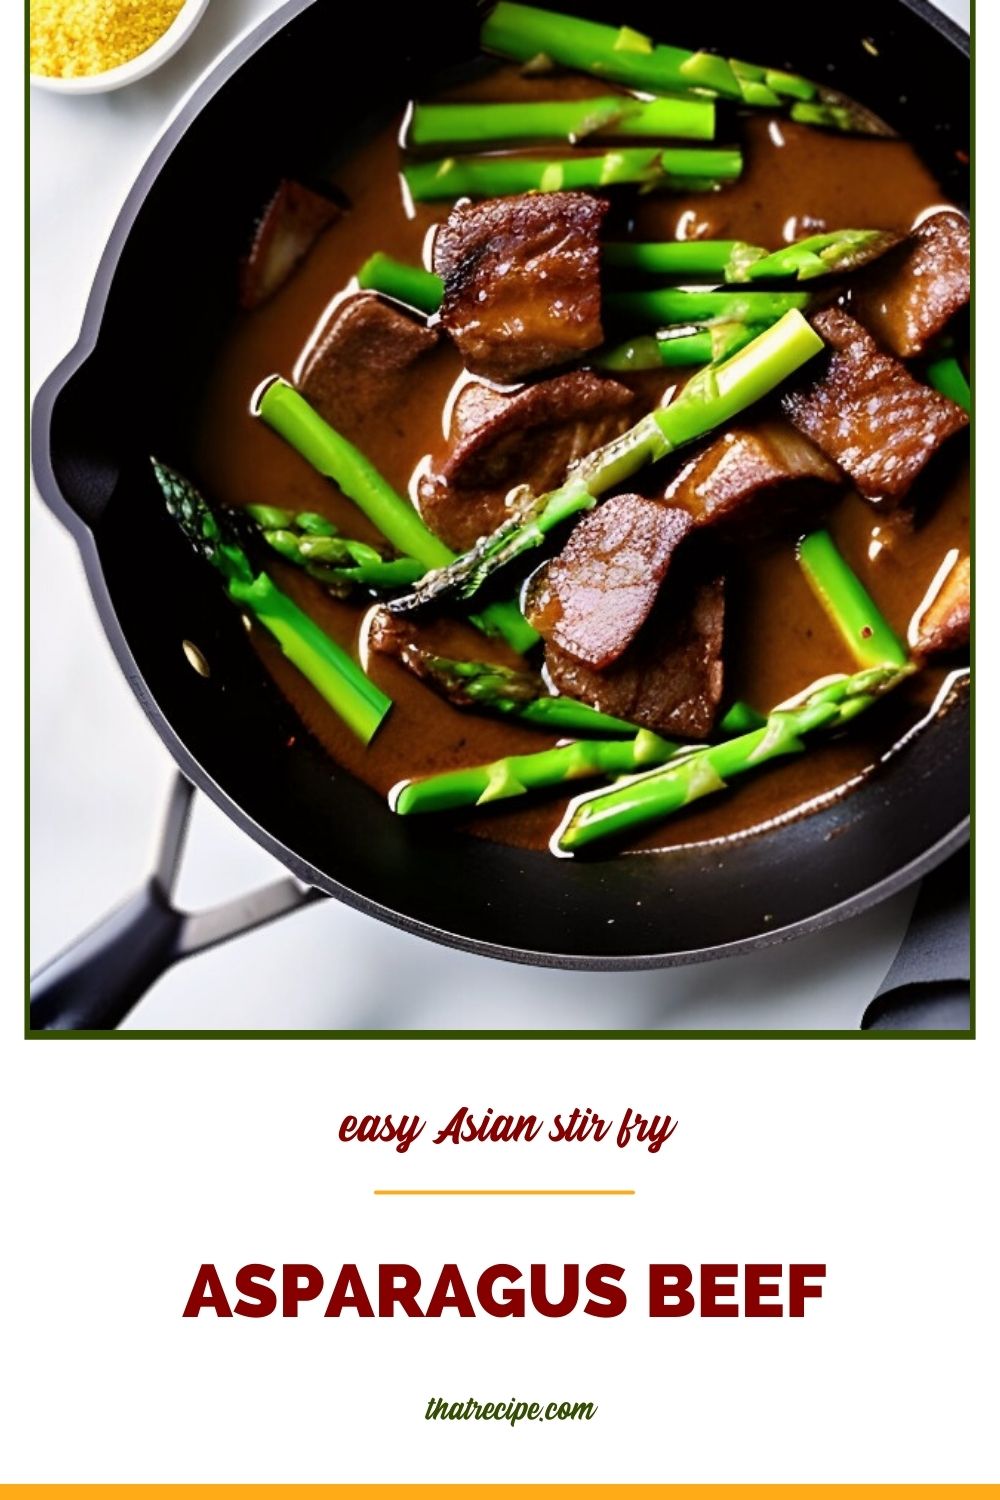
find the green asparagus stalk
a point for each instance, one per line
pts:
(830, 116)
(740, 718)
(315, 544)
(410, 284)
(668, 305)
(770, 81)
(713, 397)
(730, 261)
(516, 774)
(733, 261)
(818, 255)
(635, 804)
(947, 376)
(288, 412)
(561, 120)
(524, 32)
(719, 392)
(691, 168)
(868, 636)
(382, 575)
(333, 673)
(678, 346)
(505, 691)
(673, 257)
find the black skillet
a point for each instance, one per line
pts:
(291, 99)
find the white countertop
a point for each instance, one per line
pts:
(100, 775)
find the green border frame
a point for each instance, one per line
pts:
(481, 1035)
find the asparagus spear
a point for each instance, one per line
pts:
(741, 717)
(411, 284)
(730, 261)
(524, 32)
(947, 376)
(315, 544)
(648, 799)
(673, 305)
(868, 636)
(327, 666)
(774, 81)
(672, 257)
(561, 120)
(831, 116)
(494, 689)
(734, 261)
(691, 168)
(682, 345)
(713, 397)
(290, 415)
(516, 774)
(817, 255)
(630, 58)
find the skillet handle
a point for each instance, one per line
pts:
(74, 457)
(94, 983)
(927, 987)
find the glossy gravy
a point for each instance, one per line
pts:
(796, 181)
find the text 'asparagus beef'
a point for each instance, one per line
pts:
(501, 441)
(522, 287)
(866, 411)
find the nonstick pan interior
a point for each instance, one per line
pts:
(293, 106)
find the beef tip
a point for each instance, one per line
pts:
(670, 678)
(392, 636)
(461, 683)
(357, 364)
(752, 478)
(867, 413)
(522, 288)
(287, 230)
(600, 589)
(944, 626)
(558, 420)
(910, 296)
(502, 441)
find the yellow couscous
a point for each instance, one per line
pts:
(74, 38)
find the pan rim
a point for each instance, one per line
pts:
(191, 105)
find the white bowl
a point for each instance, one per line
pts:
(165, 46)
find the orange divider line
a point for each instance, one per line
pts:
(448, 1491)
(504, 1192)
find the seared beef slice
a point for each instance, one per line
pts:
(908, 298)
(522, 285)
(753, 477)
(600, 589)
(359, 361)
(867, 413)
(670, 678)
(501, 441)
(289, 227)
(944, 627)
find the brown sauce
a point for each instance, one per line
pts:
(796, 181)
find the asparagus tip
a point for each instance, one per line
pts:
(261, 390)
